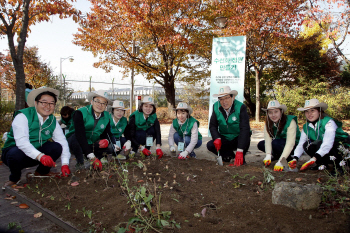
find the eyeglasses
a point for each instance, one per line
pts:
(224, 99)
(44, 104)
(101, 104)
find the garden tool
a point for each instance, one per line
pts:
(219, 159)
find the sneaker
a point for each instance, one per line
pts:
(121, 157)
(104, 160)
(192, 154)
(8, 184)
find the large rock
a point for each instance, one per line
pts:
(297, 196)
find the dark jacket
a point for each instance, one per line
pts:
(244, 132)
(80, 132)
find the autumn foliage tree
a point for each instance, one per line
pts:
(266, 24)
(16, 18)
(37, 72)
(333, 18)
(172, 36)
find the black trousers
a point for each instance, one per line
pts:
(314, 146)
(141, 135)
(277, 148)
(16, 160)
(76, 149)
(227, 148)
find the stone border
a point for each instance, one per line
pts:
(46, 213)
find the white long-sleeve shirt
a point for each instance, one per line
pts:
(194, 137)
(327, 142)
(21, 135)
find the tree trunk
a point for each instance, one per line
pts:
(249, 102)
(17, 56)
(257, 83)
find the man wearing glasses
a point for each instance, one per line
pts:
(90, 134)
(28, 142)
(229, 127)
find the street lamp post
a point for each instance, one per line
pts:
(71, 59)
(135, 51)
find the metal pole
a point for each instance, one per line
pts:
(64, 91)
(132, 81)
(61, 71)
(113, 89)
(90, 83)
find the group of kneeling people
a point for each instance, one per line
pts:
(36, 138)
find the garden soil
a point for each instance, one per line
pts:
(202, 197)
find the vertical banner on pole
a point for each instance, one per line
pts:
(227, 67)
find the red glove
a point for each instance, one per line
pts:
(96, 164)
(159, 153)
(147, 152)
(65, 170)
(217, 144)
(238, 159)
(103, 143)
(47, 161)
(292, 164)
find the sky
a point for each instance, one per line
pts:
(54, 40)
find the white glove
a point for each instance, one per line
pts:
(127, 145)
(267, 160)
(4, 137)
(116, 148)
(142, 147)
(183, 155)
(91, 156)
(172, 149)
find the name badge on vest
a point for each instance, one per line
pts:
(120, 129)
(180, 146)
(117, 143)
(149, 141)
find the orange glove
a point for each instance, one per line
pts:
(238, 159)
(267, 160)
(217, 144)
(308, 164)
(159, 152)
(47, 161)
(292, 164)
(65, 170)
(146, 152)
(278, 167)
(96, 164)
(103, 143)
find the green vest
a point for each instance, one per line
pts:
(186, 127)
(38, 134)
(283, 134)
(340, 135)
(230, 129)
(118, 130)
(141, 123)
(92, 134)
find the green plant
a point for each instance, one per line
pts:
(142, 200)
(68, 205)
(16, 225)
(336, 190)
(268, 177)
